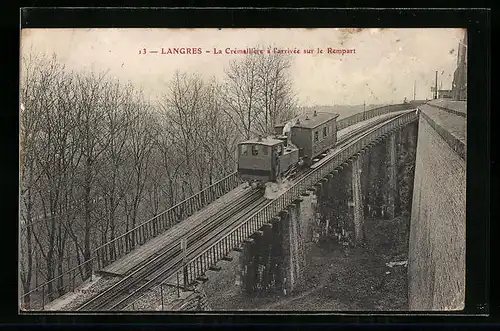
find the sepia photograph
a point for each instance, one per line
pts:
(242, 169)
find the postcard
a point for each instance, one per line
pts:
(252, 169)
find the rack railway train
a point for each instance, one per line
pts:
(295, 145)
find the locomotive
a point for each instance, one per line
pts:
(295, 145)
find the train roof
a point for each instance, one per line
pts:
(310, 120)
(264, 141)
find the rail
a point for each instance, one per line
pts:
(125, 243)
(197, 265)
(128, 241)
(166, 257)
(362, 116)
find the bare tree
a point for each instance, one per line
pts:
(277, 96)
(93, 141)
(155, 196)
(164, 166)
(259, 92)
(182, 106)
(86, 144)
(221, 135)
(54, 158)
(112, 178)
(170, 159)
(30, 95)
(140, 144)
(94, 151)
(241, 93)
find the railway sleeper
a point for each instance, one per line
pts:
(107, 274)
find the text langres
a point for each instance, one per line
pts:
(182, 50)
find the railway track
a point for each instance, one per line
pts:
(167, 259)
(170, 260)
(220, 231)
(343, 142)
(177, 264)
(179, 232)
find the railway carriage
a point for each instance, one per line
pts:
(265, 160)
(295, 144)
(313, 133)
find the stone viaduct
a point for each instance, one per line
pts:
(420, 170)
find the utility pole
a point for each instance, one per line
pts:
(414, 89)
(364, 109)
(436, 87)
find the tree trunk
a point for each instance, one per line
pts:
(50, 255)
(27, 279)
(29, 248)
(87, 255)
(112, 225)
(60, 259)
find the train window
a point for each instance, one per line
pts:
(244, 150)
(255, 150)
(265, 150)
(324, 131)
(316, 136)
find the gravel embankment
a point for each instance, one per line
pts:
(152, 299)
(87, 291)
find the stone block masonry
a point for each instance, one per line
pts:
(273, 259)
(436, 275)
(358, 217)
(192, 301)
(391, 182)
(377, 182)
(197, 301)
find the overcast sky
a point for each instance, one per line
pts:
(383, 69)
